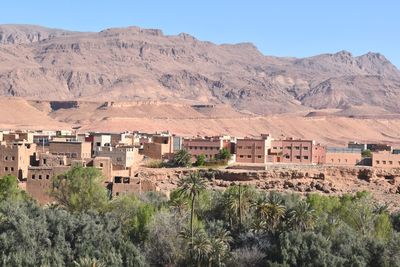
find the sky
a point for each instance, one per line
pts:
(280, 28)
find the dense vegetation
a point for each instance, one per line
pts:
(195, 227)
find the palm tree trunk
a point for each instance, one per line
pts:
(240, 206)
(192, 218)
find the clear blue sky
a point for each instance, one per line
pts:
(280, 27)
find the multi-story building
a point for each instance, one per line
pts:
(253, 150)
(39, 182)
(124, 156)
(71, 149)
(100, 140)
(300, 151)
(15, 158)
(209, 146)
(160, 147)
(385, 159)
(343, 156)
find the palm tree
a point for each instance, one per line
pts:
(182, 158)
(200, 248)
(191, 186)
(220, 243)
(179, 204)
(302, 216)
(236, 202)
(87, 262)
(269, 211)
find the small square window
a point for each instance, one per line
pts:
(47, 177)
(33, 176)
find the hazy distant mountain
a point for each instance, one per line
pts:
(135, 64)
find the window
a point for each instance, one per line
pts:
(259, 156)
(33, 176)
(305, 157)
(98, 144)
(241, 156)
(206, 148)
(240, 147)
(275, 147)
(377, 162)
(287, 156)
(297, 147)
(331, 160)
(390, 162)
(44, 161)
(12, 158)
(118, 179)
(40, 177)
(259, 147)
(298, 157)
(345, 160)
(305, 148)
(249, 156)
(289, 147)
(6, 168)
(383, 161)
(47, 176)
(119, 159)
(12, 169)
(248, 147)
(101, 165)
(6, 158)
(126, 180)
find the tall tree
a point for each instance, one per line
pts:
(182, 158)
(9, 189)
(191, 186)
(80, 189)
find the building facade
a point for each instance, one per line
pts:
(343, 156)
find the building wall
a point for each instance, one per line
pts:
(385, 159)
(123, 156)
(72, 150)
(100, 140)
(128, 185)
(39, 182)
(15, 159)
(297, 151)
(156, 150)
(207, 147)
(104, 164)
(251, 150)
(350, 159)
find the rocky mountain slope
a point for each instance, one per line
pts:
(144, 64)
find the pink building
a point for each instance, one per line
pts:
(253, 150)
(209, 146)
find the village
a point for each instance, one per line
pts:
(36, 157)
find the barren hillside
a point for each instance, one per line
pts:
(128, 64)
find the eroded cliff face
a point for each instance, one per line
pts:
(383, 184)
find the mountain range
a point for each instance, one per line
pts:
(135, 64)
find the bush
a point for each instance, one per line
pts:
(155, 164)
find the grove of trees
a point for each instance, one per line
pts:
(197, 226)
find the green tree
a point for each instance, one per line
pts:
(87, 262)
(366, 153)
(224, 154)
(200, 248)
(191, 186)
(9, 189)
(182, 158)
(302, 217)
(236, 202)
(269, 211)
(200, 160)
(80, 189)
